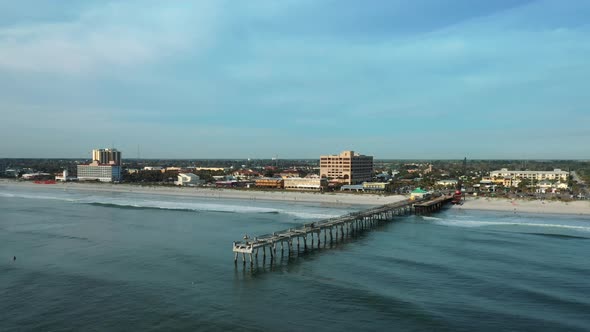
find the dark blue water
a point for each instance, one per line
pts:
(117, 262)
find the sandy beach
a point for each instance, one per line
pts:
(244, 194)
(486, 204)
(526, 206)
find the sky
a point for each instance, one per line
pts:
(425, 79)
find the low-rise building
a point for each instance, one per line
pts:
(64, 176)
(275, 183)
(447, 182)
(289, 173)
(188, 179)
(36, 175)
(212, 169)
(556, 174)
(419, 193)
(305, 184)
(352, 187)
(245, 174)
(377, 186)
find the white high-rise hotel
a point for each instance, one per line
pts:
(105, 166)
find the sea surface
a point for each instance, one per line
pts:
(131, 262)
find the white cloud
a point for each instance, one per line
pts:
(106, 38)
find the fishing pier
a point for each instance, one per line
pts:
(312, 235)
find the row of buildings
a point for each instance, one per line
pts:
(347, 167)
(348, 170)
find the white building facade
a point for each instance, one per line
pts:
(556, 174)
(102, 173)
(305, 184)
(188, 179)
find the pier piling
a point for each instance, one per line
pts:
(344, 227)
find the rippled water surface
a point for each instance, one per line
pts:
(121, 262)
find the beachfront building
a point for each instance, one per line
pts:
(377, 186)
(64, 176)
(188, 179)
(556, 174)
(289, 173)
(211, 169)
(352, 187)
(447, 183)
(153, 168)
(348, 167)
(106, 156)
(419, 193)
(274, 183)
(245, 174)
(105, 166)
(305, 184)
(100, 172)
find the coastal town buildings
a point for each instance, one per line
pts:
(377, 186)
(556, 174)
(316, 184)
(447, 182)
(348, 167)
(276, 183)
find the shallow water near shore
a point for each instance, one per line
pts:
(120, 262)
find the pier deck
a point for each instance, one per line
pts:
(333, 228)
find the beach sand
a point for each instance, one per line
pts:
(244, 194)
(486, 204)
(526, 206)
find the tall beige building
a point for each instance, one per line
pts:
(106, 156)
(347, 167)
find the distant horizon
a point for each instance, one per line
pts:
(269, 159)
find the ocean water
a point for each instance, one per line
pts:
(130, 262)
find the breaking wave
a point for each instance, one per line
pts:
(132, 203)
(479, 223)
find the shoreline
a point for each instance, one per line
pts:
(526, 206)
(332, 199)
(335, 199)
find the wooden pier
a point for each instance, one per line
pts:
(309, 235)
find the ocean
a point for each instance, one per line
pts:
(135, 262)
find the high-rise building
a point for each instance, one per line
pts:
(106, 156)
(105, 166)
(347, 167)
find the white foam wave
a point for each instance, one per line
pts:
(171, 205)
(474, 223)
(20, 195)
(431, 218)
(309, 215)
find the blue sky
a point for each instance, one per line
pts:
(296, 78)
